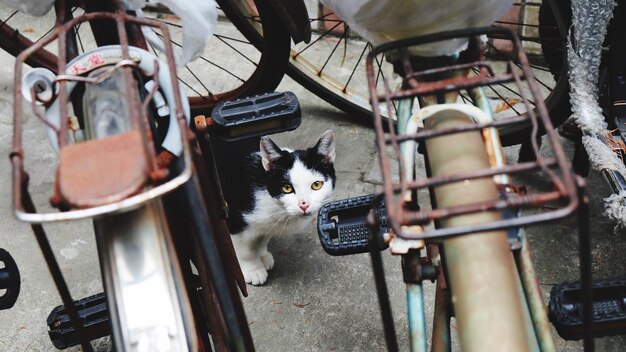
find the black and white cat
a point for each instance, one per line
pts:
(279, 192)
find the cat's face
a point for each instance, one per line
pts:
(301, 181)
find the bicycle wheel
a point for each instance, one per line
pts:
(332, 66)
(338, 76)
(214, 77)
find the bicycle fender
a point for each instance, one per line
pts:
(294, 15)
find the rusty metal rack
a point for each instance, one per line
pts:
(155, 182)
(560, 200)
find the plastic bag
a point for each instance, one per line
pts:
(381, 21)
(198, 17)
(31, 7)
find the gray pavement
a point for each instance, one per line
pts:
(312, 301)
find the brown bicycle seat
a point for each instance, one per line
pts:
(101, 171)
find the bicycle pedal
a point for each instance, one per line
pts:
(9, 280)
(93, 314)
(257, 115)
(609, 309)
(342, 226)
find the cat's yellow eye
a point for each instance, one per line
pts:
(317, 185)
(287, 189)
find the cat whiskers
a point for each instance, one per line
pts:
(280, 217)
(285, 223)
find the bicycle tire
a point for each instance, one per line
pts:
(266, 75)
(555, 24)
(274, 54)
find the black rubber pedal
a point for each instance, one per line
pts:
(9, 280)
(609, 309)
(342, 226)
(93, 314)
(257, 115)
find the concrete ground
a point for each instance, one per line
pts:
(312, 301)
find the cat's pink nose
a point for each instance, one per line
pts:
(304, 205)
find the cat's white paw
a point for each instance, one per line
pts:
(253, 271)
(268, 260)
(255, 276)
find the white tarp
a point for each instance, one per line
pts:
(198, 17)
(381, 21)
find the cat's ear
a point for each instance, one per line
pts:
(270, 152)
(326, 146)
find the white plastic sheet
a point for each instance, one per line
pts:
(31, 7)
(381, 21)
(198, 17)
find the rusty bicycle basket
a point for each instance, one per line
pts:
(513, 72)
(131, 155)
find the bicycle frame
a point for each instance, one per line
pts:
(451, 219)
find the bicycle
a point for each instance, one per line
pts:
(475, 209)
(159, 170)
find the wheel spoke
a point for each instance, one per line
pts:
(80, 41)
(343, 37)
(233, 39)
(465, 99)
(8, 18)
(198, 79)
(548, 87)
(499, 95)
(221, 39)
(317, 40)
(166, 22)
(506, 101)
(190, 87)
(381, 74)
(324, 18)
(44, 35)
(207, 61)
(345, 87)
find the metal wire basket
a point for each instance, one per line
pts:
(436, 83)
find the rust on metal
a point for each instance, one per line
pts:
(616, 144)
(101, 171)
(400, 246)
(201, 123)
